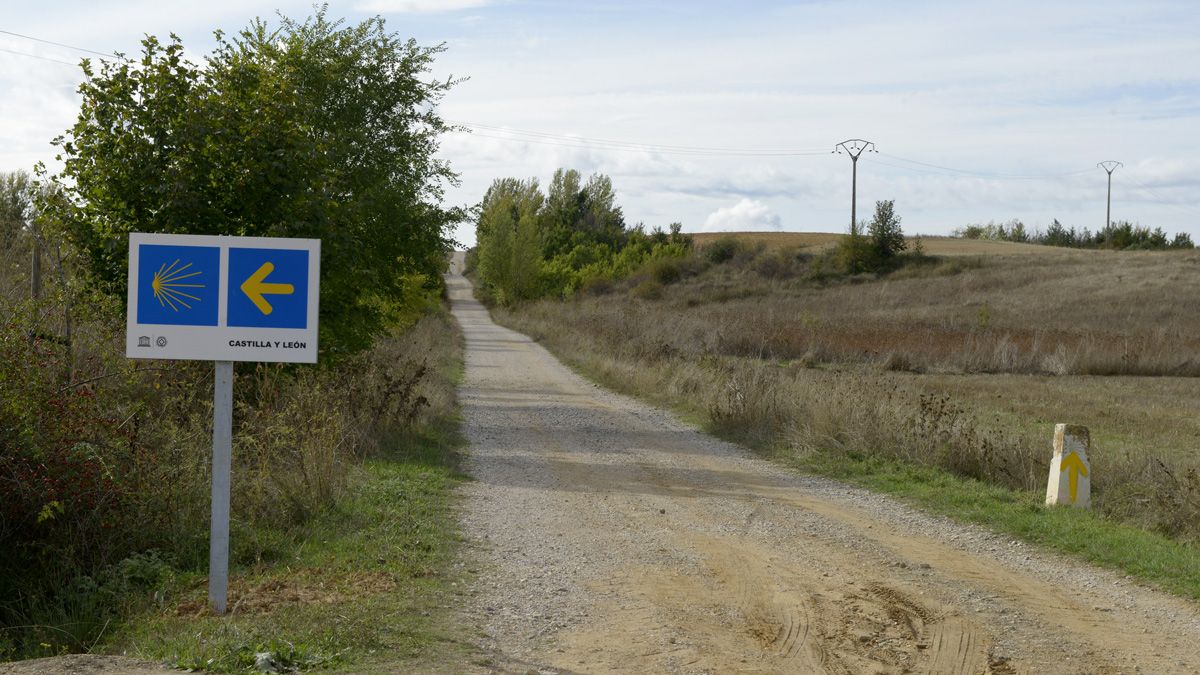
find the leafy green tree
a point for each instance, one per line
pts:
(580, 213)
(887, 239)
(16, 206)
(510, 254)
(1057, 235)
(601, 218)
(529, 245)
(563, 209)
(309, 129)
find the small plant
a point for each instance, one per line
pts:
(983, 317)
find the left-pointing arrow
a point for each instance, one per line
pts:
(256, 287)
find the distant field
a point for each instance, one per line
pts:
(946, 246)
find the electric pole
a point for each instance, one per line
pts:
(1109, 167)
(854, 147)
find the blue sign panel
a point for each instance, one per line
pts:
(178, 285)
(268, 288)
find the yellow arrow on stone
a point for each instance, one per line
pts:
(255, 288)
(1074, 466)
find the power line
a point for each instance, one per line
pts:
(985, 174)
(1183, 208)
(567, 140)
(35, 56)
(58, 44)
(571, 141)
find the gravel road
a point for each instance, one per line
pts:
(608, 536)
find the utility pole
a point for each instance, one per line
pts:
(1109, 167)
(854, 147)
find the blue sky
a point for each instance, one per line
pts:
(1007, 107)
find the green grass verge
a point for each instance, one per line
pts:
(368, 583)
(1147, 556)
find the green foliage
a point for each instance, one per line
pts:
(1120, 236)
(531, 245)
(666, 271)
(509, 249)
(876, 251)
(100, 473)
(309, 129)
(16, 206)
(722, 250)
(854, 253)
(887, 239)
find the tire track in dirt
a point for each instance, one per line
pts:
(615, 539)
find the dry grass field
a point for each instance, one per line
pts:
(964, 363)
(821, 241)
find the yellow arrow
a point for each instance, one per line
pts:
(255, 288)
(1074, 466)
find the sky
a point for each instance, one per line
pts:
(725, 115)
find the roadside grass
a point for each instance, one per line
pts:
(369, 580)
(366, 583)
(1152, 558)
(118, 464)
(1149, 413)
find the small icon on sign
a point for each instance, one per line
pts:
(144, 341)
(161, 341)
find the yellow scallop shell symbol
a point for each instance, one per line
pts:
(168, 281)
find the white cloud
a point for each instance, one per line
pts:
(419, 6)
(748, 215)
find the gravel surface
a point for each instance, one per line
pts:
(608, 536)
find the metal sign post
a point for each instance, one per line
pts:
(218, 545)
(222, 299)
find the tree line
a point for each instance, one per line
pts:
(1119, 236)
(532, 244)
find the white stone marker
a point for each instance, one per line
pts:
(1070, 471)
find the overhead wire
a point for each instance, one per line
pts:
(58, 44)
(983, 174)
(510, 134)
(36, 56)
(569, 140)
(1184, 208)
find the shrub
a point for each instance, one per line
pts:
(595, 286)
(722, 250)
(649, 289)
(780, 264)
(666, 271)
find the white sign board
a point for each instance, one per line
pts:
(222, 298)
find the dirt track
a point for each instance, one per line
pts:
(610, 537)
